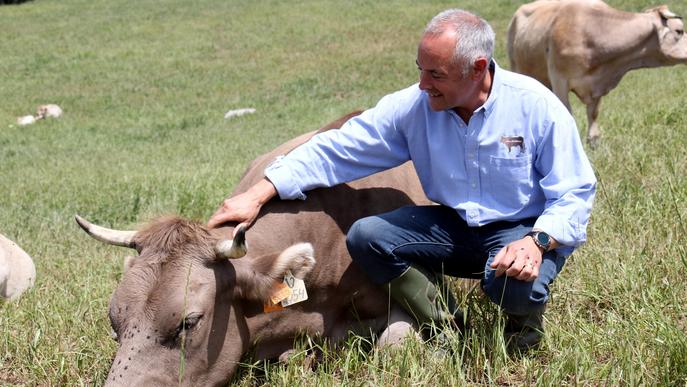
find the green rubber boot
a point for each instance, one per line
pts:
(427, 299)
(523, 333)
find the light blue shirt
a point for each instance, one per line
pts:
(519, 156)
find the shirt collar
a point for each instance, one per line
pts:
(496, 83)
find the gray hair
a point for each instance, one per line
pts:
(475, 37)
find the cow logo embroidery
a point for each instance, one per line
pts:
(513, 141)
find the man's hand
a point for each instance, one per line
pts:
(243, 208)
(520, 259)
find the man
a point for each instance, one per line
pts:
(496, 150)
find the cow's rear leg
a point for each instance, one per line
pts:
(593, 133)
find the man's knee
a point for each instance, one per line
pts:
(359, 239)
(370, 249)
(363, 238)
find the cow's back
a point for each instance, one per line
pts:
(323, 219)
(565, 37)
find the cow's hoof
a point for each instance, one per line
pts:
(593, 142)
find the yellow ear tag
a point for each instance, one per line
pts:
(286, 293)
(280, 291)
(268, 307)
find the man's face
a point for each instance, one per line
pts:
(442, 80)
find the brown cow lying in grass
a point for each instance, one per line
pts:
(586, 46)
(184, 313)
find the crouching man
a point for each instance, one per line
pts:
(496, 150)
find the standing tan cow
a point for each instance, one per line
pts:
(184, 315)
(586, 46)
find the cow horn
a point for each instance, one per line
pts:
(113, 237)
(666, 13)
(230, 249)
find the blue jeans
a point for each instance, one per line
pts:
(438, 239)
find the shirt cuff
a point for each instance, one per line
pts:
(282, 179)
(568, 234)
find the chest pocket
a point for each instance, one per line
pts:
(510, 180)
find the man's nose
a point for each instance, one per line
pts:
(425, 81)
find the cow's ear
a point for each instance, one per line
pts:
(257, 278)
(298, 258)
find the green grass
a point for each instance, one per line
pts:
(144, 86)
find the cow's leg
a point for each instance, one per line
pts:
(592, 113)
(561, 87)
(401, 326)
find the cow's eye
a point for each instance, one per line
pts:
(192, 320)
(189, 322)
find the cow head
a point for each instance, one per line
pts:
(671, 34)
(177, 313)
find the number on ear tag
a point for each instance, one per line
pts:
(298, 292)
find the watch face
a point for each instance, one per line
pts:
(543, 238)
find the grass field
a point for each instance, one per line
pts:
(144, 86)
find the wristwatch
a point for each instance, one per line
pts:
(541, 239)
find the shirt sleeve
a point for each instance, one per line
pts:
(366, 144)
(568, 181)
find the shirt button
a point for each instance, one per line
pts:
(473, 185)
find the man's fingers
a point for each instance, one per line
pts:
(505, 261)
(216, 219)
(219, 217)
(530, 271)
(535, 273)
(518, 263)
(212, 222)
(499, 256)
(526, 272)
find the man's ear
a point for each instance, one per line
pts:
(256, 278)
(479, 67)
